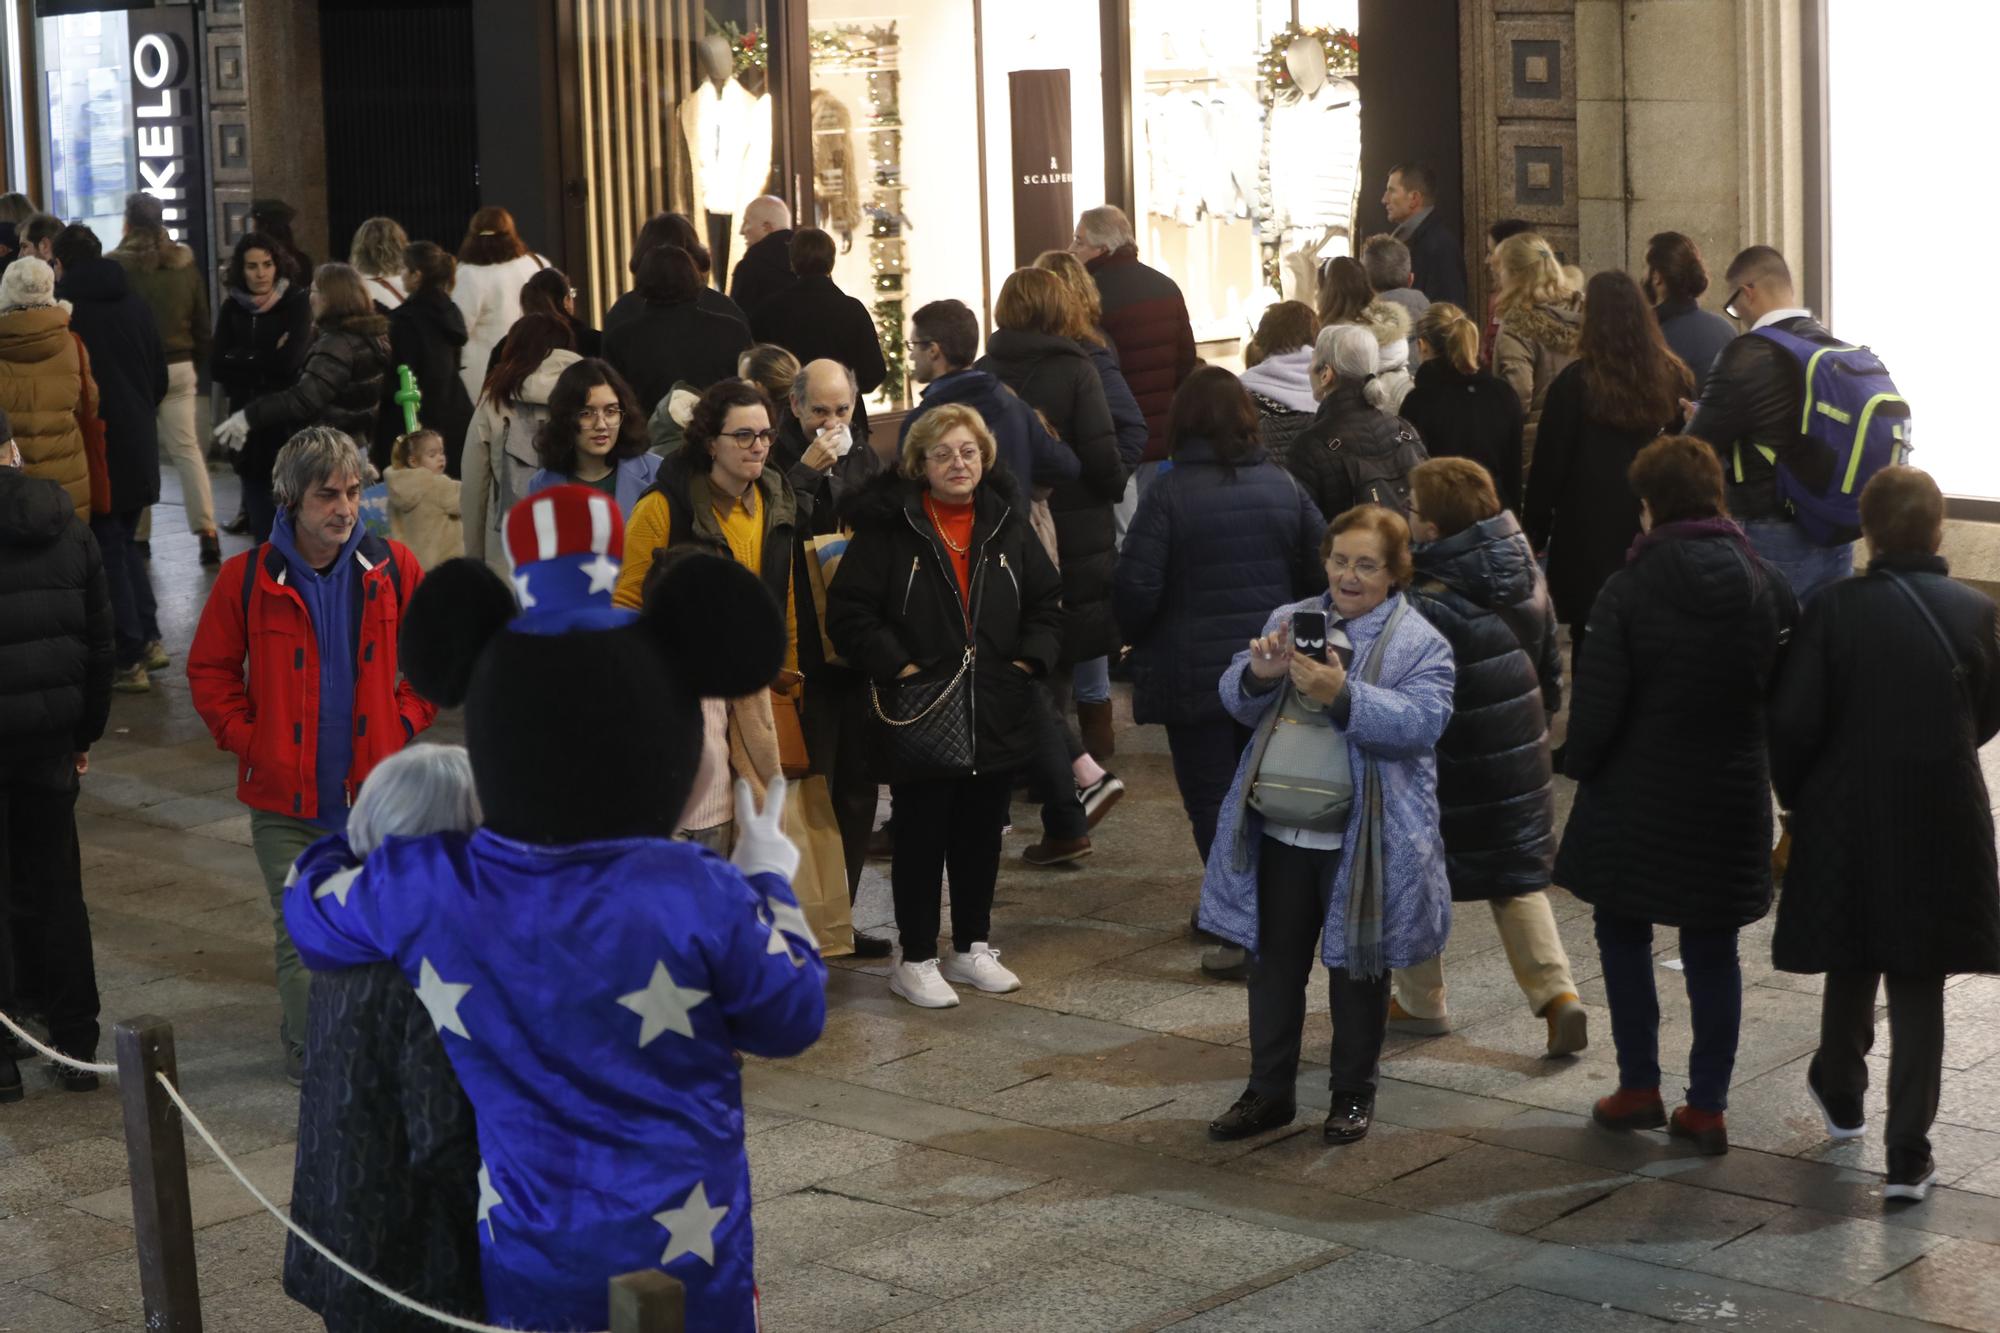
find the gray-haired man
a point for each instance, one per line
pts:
(294, 670)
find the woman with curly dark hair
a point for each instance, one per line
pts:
(1622, 392)
(594, 436)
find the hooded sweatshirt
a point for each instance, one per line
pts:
(333, 601)
(1285, 379)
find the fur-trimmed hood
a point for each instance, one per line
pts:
(146, 251)
(1387, 320)
(1554, 325)
(881, 502)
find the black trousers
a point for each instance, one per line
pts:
(1916, 1053)
(1205, 756)
(1051, 780)
(835, 722)
(952, 824)
(719, 232)
(130, 583)
(1293, 884)
(42, 916)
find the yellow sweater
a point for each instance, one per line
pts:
(742, 527)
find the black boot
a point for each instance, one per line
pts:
(1253, 1113)
(1350, 1118)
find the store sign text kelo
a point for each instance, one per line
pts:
(166, 120)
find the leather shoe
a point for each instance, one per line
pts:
(1253, 1113)
(1350, 1118)
(1056, 851)
(872, 946)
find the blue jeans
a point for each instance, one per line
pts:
(1807, 567)
(1715, 999)
(1092, 681)
(134, 614)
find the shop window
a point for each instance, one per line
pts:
(888, 90)
(1247, 152)
(91, 156)
(1901, 96)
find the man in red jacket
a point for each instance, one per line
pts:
(293, 668)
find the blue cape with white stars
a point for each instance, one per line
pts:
(590, 997)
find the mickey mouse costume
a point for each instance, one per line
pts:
(589, 977)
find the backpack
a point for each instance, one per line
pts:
(1854, 424)
(1383, 479)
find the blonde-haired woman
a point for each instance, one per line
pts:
(1461, 409)
(1085, 326)
(1541, 313)
(945, 591)
(377, 255)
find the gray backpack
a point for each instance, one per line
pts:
(1303, 779)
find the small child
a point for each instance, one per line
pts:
(423, 501)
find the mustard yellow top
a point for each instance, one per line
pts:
(742, 525)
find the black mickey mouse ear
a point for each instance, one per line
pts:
(716, 621)
(452, 615)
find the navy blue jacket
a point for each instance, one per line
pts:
(1126, 418)
(1210, 551)
(1035, 457)
(130, 366)
(1695, 335)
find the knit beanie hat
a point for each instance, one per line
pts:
(28, 282)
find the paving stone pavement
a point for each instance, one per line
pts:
(1037, 1161)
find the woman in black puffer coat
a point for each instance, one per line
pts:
(1355, 451)
(1477, 583)
(346, 374)
(263, 330)
(1876, 729)
(427, 334)
(1672, 822)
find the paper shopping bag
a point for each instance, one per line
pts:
(821, 882)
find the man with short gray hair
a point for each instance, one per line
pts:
(1144, 315)
(294, 670)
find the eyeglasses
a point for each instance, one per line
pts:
(944, 453)
(1363, 568)
(609, 416)
(1729, 306)
(918, 344)
(747, 438)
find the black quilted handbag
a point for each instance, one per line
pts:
(929, 724)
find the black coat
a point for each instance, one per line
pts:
(1348, 428)
(1437, 262)
(1496, 792)
(1476, 416)
(341, 385)
(387, 1171)
(1209, 552)
(821, 495)
(663, 344)
(129, 364)
(1278, 425)
(55, 622)
(814, 320)
(257, 354)
(1875, 750)
(1695, 335)
(427, 334)
(1055, 376)
(1672, 822)
(1754, 395)
(631, 303)
(764, 270)
(894, 601)
(1580, 508)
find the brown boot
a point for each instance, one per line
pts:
(1094, 720)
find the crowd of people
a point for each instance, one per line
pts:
(1340, 581)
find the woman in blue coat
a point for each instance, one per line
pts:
(1372, 886)
(595, 436)
(1222, 535)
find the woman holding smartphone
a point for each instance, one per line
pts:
(1330, 828)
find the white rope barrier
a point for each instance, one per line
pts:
(187, 1112)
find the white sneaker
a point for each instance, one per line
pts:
(980, 968)
(920, 984)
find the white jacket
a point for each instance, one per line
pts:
(500, 458)
(489, 295)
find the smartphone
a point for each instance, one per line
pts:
(1309, 634)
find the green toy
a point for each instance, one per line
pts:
(408, 396)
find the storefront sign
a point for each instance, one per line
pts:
(166, 81)
(1044, 197)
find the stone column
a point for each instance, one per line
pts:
(273, 138)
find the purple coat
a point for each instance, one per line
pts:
(1397, 723)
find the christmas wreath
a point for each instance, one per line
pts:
(751, 50)
(1343, 56)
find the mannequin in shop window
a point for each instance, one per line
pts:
(1315, 160)
(728, 130)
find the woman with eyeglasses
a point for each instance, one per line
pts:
(1329, 832)
(595, 437)
(945, 585)
(717, 496)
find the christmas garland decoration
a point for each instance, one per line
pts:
(750, 50)
(1343, 56)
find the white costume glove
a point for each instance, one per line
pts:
(233, 433)
(761, 845)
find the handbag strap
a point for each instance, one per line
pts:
(1902, 585)
(875, 697)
